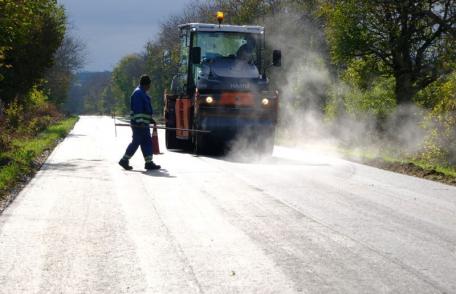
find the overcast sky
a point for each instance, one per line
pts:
(114, 28)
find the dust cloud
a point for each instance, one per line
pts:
(305, 82)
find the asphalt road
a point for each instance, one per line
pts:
(296, 222)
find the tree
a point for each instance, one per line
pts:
(160, 74)
(125, 78)
(94, 93)
(30, 33)
(90, 93)
(409, 40)
(67, 60)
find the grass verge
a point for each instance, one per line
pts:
(417, 168)
(27, 154)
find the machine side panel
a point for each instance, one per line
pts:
(183, 108)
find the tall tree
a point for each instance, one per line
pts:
(30, 33)
(95, 99)
(125, 78)
(67, 60)
(90, 93)
(410, 40)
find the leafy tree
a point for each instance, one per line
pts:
(89, 93)
(440, 97)
(125, 78)
(67, 60)
(160, 74)
(411, 40)
(94, 93)
(108, 101)
(31, 32)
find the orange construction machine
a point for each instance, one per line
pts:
(221, 88)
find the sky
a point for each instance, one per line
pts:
(112, 29)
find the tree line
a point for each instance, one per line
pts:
(370, 61)
(38, 58)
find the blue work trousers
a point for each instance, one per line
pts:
(141, 137)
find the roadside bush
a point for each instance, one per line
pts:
(362, 102)
(30, 119)
(39, 124)
(440, 122)
(368, 93)
(334, 107)
(377, 101)
(5, 139)
(39, 113)
(36, 98)
(13, 116)
(362, 93)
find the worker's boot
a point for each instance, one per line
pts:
(125, 164)
(151, 166)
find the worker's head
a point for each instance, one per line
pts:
(145, 82)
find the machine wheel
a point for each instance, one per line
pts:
(199, 144)
(170, 139)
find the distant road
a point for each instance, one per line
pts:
(296, 222)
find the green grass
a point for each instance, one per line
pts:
(449, 171)
(25, 151)
(367, 155)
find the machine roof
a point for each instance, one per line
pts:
(206, 27)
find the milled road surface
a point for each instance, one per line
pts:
(296, 222)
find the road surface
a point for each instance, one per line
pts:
(294, 223)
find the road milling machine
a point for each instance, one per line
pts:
(221, 89)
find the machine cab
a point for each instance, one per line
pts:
(217, 58)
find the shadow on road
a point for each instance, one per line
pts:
(61, 166)
(161, 173)
(269, 160)
(71, 166)
(258, 159)
(75, 135)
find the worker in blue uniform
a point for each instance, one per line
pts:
(141, 118)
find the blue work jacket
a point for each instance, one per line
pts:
(141, 107)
